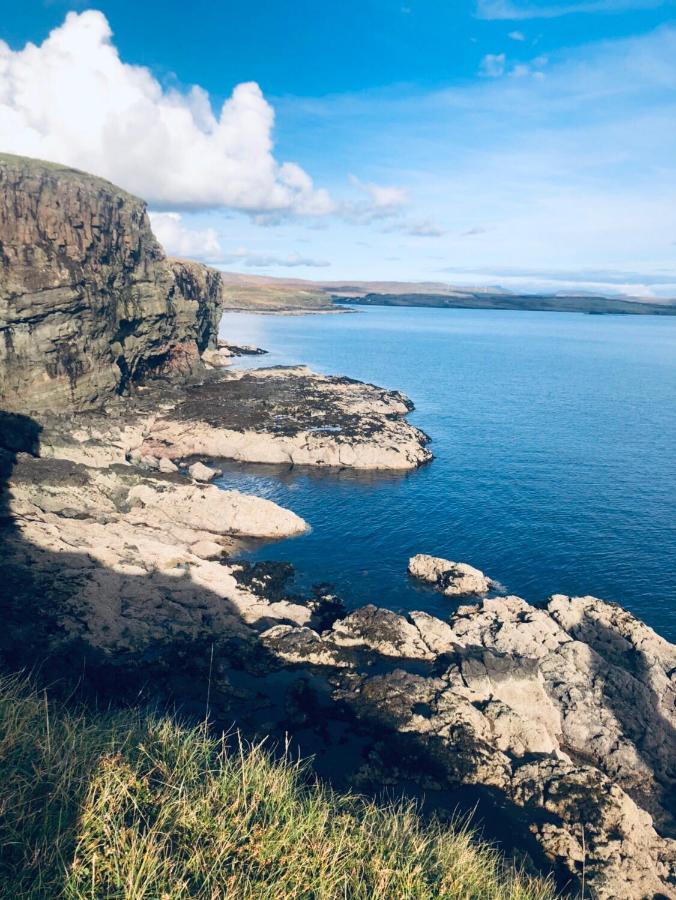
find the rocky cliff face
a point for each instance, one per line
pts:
(89, 303)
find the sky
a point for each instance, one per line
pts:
(527, 144)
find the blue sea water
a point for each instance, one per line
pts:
(554, 437)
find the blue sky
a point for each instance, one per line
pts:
(516, 142)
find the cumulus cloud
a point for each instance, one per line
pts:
(73, 100)
(517, 35)
(493, 65)
(179, 240)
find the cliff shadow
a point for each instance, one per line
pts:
(200, 660)
(627, 673)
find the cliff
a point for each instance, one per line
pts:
(89, 303)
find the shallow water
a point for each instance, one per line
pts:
(554, 437)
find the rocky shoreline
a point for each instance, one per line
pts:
(122, 583)
(558, 719)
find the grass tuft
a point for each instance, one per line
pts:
(131, 806)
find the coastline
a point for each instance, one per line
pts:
(471, 701)
(555, 719)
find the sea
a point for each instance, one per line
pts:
(554, 441)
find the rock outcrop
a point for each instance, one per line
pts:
(564, 715)
(451, 578)
(89, 304)
(90, 307)
(561, 718)
(290, 416)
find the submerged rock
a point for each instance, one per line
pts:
(451, 578)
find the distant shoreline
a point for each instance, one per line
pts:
(517, 302)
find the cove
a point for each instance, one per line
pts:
(554, 469)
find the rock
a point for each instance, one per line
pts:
(451, 578)
(380, 630)
(199, 472)
(572, 726)
(88, 300)
(207, 549)
(133, 551)
(213, 510)
(218, 359)
(290, 416)
(561, 716)
(240, 349)
(167, 466)
(304, 646)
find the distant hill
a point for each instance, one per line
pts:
(543, 302)
(267, 294)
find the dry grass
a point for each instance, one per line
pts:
(124, 806)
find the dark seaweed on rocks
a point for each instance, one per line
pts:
(283, 406)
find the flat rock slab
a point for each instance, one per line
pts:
(289, 416)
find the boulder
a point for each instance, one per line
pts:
(218, 359)
(451, 578)
(199, 472)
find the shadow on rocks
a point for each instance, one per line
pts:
(631, 693)
(200, 670)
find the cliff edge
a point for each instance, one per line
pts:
(89, 303)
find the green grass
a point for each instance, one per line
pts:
(130, 806)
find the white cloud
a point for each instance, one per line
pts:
(383, 202)
(517, 35)
(424, 228)
(178, 240)
(493, 65)
(532, 9)
(73, 100)
(533, 68)
(253, 259)
(647, 286)
(382, 197)
(386, 197)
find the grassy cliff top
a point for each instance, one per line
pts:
(130, 807)
(91, 182)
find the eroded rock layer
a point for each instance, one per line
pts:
(88, 301)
